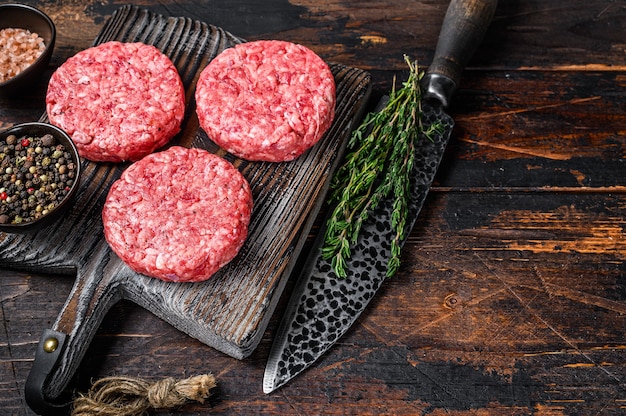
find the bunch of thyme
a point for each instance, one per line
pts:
(378, 165)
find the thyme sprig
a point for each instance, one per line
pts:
(378, 164)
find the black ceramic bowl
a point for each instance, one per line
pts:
(21, 16)
(37, 129)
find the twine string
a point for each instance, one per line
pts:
(128, 396)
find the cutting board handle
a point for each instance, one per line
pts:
(463, 28)
(61, 349)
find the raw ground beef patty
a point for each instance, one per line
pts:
(118, 101)
(178, 215)
(267, 100)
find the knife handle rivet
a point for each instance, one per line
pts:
(50, 345)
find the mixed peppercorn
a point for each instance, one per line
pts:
(36, 174)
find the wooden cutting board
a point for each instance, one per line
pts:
(231, 310)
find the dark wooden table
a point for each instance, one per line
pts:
(511, 299)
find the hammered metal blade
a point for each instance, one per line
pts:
(323, 307)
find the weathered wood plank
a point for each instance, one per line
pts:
(511, 294)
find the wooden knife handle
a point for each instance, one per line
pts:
(61, 349)
(464, 27)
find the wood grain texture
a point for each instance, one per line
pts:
(510, 300)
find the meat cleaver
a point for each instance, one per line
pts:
(322, 306)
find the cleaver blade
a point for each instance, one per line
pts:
(322, 307)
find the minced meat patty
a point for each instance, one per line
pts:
(267, 100)
(178, 215)
(118, 101)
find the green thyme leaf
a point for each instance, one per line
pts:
(377, 165)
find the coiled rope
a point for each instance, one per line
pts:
(127, 396)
